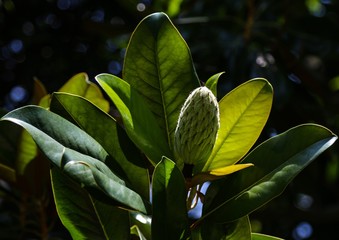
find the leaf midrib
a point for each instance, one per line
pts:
(161, 88)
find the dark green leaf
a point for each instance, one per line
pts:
(75, 152)
(276, 162)
(83, 216)
(92, 173)
(52, 133)
(169, 193)
(108, 134)
(140, 124)
(236, 230)
(159, 65)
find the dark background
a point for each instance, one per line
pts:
(293, 44)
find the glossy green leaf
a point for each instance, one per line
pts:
(80, 85)
(74, 151)
(83, 216)
(241, 229)
(276, 162)
(53, 133)
(140, 124)
(243, 114)
(259, 236)
(159, 65)
(142, 223)
(92, 173)
(230, 169)
(108, 134)
(169, 220)
(237, 230)
(212, 83)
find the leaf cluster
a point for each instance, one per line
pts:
(113, 177)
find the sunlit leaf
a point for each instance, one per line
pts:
(243, 114)
(212, 83)
(229, 169)
(80, 85)
(158, 64)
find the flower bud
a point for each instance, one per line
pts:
(197, 127)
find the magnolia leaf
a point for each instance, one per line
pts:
(276, 162)
(104, 129)
(238, 229)
(74, 151)
(83, 216)
(159, 65)
(212, 83)
(169, 217)
(140, 124)
(243, 114)
(142, 224)
(230, 169)
(80, 85)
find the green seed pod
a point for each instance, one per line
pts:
(197, 127)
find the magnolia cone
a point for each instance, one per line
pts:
(197, 127)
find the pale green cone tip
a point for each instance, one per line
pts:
(197, 127)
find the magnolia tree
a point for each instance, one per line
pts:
(140, 173)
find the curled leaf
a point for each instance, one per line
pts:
(230, 169)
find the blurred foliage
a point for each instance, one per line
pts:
(293, 44)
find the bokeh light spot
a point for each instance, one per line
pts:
(18, 94)
(141, 7)
(304, 201)
(114, 67)
(302, 231)
(294, 78)
(16, 45)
